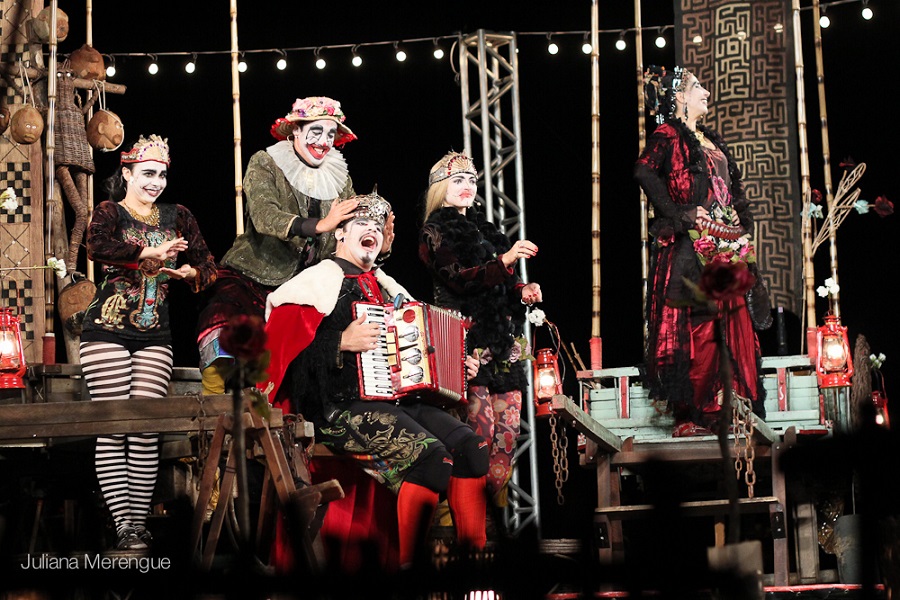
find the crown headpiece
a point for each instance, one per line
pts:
(679, 79)
(450, 165)
(152, 148)
(371, 206)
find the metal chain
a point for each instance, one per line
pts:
(559, 444)
(744, 453)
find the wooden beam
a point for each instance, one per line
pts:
(172, 414)
(583, 422)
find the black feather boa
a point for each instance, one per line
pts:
(497, 313)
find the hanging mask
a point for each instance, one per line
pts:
(26, 125)
(105, 131)
(87, 63)
(40, 26)
(4, 119)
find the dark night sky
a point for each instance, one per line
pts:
(408, 115)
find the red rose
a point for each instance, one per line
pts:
(726, 281)
(883, 206)
(244, 337)
(816, 197)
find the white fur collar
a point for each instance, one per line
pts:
(324, 182)
(320, 285)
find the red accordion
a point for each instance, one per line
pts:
(421, 353)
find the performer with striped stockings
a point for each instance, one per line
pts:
(126, 342)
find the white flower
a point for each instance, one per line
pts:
(861, 206)
(57, 265)
(8, 200)
(815, 210)
(877, 361)
(536, 317)
(831, 287)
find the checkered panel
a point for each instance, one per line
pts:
(19, 294)
(17, 175)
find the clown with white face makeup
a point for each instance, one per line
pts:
(142, 245)
(293, 191)
(472, 266)
(418, 450)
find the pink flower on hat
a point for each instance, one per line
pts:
(313, 108)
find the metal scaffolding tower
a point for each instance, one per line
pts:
(489, 73)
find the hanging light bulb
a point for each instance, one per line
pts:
(356, 61)
(320, 62)
(153, 68)
(191, 65)
(111, 68)
(620, 43)
(824, 21)
(242, 64)
(586, 46)
(281, 63)
(661, 39)
(438, 51)
(866, 12)
(399, 53)
(552, 48)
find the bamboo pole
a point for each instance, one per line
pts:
(241, 502)
(48, 342)
(596, 344)
(90, 177)
(826, 159)
(642, 141)
(805, 218)
(236, 114)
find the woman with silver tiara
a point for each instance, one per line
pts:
(701, 216)
(472, 265)
(126, 342)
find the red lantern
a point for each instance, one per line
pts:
(547, 381)
(882, 417)
(12, 358)
(834, 365)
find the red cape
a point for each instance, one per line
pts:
(290, 328)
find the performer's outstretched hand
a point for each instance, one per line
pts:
(531, 293)
(521, 249)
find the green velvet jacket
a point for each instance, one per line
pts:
(266, 251)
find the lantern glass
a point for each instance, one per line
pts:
(547, 382)
(834, 357)
(546, 375)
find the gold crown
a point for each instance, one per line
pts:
(450, 165)
(372, 207)
(154, 148)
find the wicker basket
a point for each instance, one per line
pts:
(72, 148)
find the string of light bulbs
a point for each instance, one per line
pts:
(438, 51)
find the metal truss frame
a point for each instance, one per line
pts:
(489, 85)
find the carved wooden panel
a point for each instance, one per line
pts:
(21, 168)
(748, 68)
